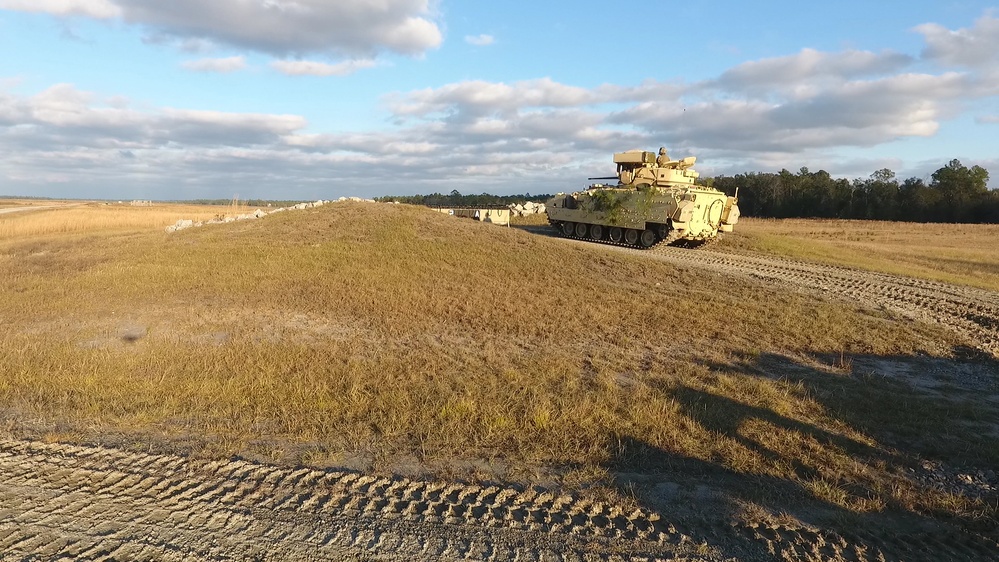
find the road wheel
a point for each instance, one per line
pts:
(581, 229)
(596, 232)
(567, 228)
(648, 238)
(631, 236)
(616, 234)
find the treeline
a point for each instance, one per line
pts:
(955, 193)
(242, 202)
(456, 199)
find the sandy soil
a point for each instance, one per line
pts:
(6, 210)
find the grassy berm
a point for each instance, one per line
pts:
(394, 338)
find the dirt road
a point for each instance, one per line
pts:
(94, 503)
(62, 502)
(7, 210)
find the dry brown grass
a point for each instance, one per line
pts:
(955, 253)
(374, 332)
(97, 218)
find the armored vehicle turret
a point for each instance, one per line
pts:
(655, 202)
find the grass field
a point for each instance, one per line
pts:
(955, 253)
(99, 219)
(380, 335)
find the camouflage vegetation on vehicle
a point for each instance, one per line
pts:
(654, 202)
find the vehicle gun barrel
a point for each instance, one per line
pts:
(604, 178)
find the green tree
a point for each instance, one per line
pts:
(881, 194)
(961, 188)
(955, 178)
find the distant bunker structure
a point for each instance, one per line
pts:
(496, 214)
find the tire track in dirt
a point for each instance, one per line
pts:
(968, 311)
(88, 503)
(93, 503)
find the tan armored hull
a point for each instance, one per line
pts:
(654, 202)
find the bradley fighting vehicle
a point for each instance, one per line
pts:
(654, 202)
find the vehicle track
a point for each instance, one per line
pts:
(968, 311)
(971, 312)
(59, 501)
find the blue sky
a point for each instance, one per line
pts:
(302, 99)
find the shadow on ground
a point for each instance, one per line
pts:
(917, 437)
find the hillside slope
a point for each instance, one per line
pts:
(395, 339)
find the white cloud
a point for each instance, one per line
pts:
(480, 40)
(66, 117)
(859, 113)
(101, 9)
(63, 108)
(534, 135)
(843, 113)
(67, 136)
(969, 47)
(191, 45)
(478, 96)
(808, 67)
(895, 100)
(64, 135)
(224, 65)
(269, 124)
(277, 27)
(313, 68)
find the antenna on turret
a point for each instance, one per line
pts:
(683, 122)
